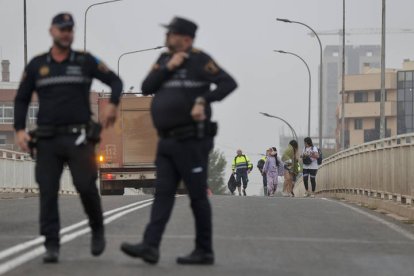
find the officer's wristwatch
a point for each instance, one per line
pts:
(200, 100)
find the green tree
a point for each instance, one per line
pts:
(216, 172)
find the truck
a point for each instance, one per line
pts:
(126, 152)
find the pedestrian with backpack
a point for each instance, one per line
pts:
(310, 156)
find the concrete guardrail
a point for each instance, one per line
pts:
(374, 172)
(17, 174)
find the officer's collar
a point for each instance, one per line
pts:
(71, 56)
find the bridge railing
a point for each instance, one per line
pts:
(17, 174)
(381, 169)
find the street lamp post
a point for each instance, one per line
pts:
(86, 13)
(320, 74)
(310, 81)
(137, 51)
(295, 137)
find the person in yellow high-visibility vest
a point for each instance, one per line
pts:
(241, 166)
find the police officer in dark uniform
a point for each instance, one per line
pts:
(65, 134)
(180, 80)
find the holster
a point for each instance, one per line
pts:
(93, 132)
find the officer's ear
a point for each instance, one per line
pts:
(51, 31)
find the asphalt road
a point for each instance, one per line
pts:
(252, 236)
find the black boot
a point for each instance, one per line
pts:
(197, 257)
(51, 256)
(145, 252)
(97, 243)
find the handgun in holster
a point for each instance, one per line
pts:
(32, 143)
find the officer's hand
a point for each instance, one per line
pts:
(176, 60)
(109, 115)
(22, 139)
(198, 112)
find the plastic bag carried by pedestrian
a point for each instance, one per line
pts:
(231, 184)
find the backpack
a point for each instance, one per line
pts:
(320, 158)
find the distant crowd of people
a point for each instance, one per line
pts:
(271, 166)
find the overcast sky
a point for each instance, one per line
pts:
(240, 35)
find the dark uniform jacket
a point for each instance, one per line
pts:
(176, 91)
(62, 89)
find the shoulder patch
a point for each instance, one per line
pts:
(211, 67)
(101, 65)
(44, 70)
(155, 67)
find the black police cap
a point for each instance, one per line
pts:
(63, 20)
(182, 26)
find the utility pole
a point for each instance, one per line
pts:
(25, 33)
(343, 80)
(382, 104)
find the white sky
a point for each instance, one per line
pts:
(240, 35)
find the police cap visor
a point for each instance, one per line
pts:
(181, 26)
(63, 20)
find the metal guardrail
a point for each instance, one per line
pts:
(17, 174)
(381, 169)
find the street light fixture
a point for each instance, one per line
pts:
(310, 81)
(86, 13)
(137, 51)
(320, 73)
(295, 137)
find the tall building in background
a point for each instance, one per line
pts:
(362, 104)
(357, 58)
(405, 98)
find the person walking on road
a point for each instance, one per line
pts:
(65, 134)
(310, 157)
(181, 81)
(273, 168)
(290, 160)
(260, 165)
(242, 167)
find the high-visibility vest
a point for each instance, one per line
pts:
(242, 162)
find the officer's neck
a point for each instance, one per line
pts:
(59, 54)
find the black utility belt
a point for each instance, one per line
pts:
(197, 130)
(91, 130)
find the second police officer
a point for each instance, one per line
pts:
(180, 80)
(62, 79)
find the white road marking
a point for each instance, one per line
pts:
(390, 225)
(290, 239)
(39, 240)
(30, 255)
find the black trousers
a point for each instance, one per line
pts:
(312, 174)
(52, 155)
(188, 161)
